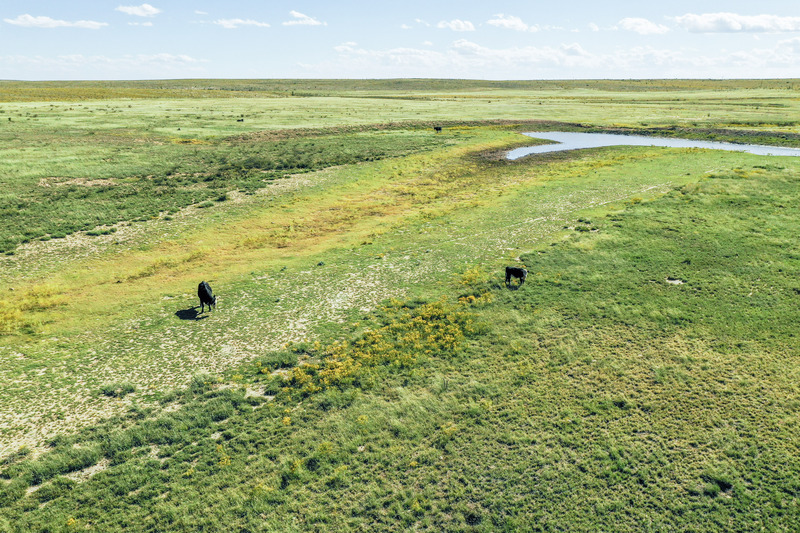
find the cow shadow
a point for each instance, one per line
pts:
(190, 314)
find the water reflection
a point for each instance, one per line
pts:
(575, 141)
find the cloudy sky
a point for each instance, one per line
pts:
(533, 39)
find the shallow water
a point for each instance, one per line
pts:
(575, 141)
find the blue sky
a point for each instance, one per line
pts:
(98, 39)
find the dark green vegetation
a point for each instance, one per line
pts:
(409, 88)
(367, 369)
(745, 136)
(63, 195)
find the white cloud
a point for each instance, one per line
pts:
(163, 59)
(457, 25)
(405, 27)
(145, 24)
(732, 22)
(232, 24)
(303, 20)
(464, 58)
(642, 26)
(510, 22)
(346, 47)
(594, 27)
(79, 66)
(792, 45)
(420, 21)
(200, 13)
(29, 21)
(525, 57)
(144, 10)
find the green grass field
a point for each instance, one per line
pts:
(366, 368)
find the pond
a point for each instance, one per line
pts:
(575, 141)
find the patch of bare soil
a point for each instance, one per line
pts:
(82, 475)
(277, 135)
(55, 181)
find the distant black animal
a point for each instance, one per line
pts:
(516, 272)
(437, 129)
(206, 296)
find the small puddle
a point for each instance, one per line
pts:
(565, 140)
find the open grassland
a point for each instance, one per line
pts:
(80, 157)
(341, 211)
(15, 91)
(366, 369)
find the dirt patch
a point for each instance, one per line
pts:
(83, 475)
(254, 392)
(79, 477)
(277, 135)
(55, 181)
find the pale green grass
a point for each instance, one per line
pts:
(204, 118)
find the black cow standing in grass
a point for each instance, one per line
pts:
(206, 296)
(516, 272)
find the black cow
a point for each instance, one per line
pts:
(206, 296)
(437, 129)
(516, 272)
